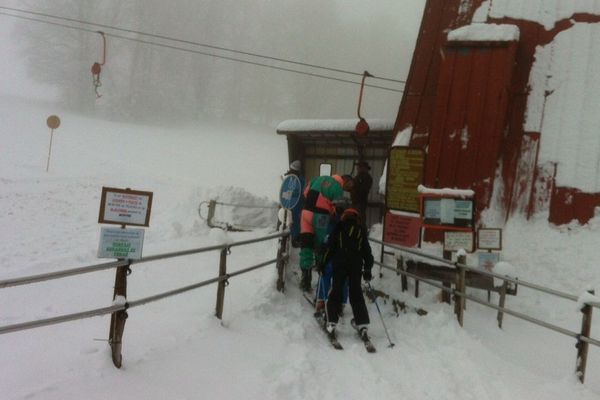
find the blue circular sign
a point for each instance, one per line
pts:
(290, 192)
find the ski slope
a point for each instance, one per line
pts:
(267, 346)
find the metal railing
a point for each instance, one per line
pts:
(123, 269)
(460, 296)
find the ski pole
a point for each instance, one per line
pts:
(380, 316)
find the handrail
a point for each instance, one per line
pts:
(121, 263)
(114, 308)
(486, 273)
(60, 274)
(487, 304)
(61, 318)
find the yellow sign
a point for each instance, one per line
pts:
(404, 174)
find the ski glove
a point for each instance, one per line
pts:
(367, 276)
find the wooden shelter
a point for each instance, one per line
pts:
(488, 108)
(335, 143)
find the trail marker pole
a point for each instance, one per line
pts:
(53, 122)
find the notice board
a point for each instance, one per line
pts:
(405, 170)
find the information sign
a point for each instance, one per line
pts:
(290, 192)
(456, 240)
(403, 230)
(440, 212)
(404, 174)
(489, 238)
(121, 243)
(125, 207)
(487, 260)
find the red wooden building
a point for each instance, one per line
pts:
(507, 105)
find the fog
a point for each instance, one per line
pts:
(150, 78)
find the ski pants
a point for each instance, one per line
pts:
(313, 228)
(325, 285)
(353, 274)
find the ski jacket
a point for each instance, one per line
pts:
(321, 192)
(348, 246)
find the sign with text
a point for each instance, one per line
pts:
(404, 174)
(447, 213)
(403, 230)
(456, 240)
(125, 207)
(487, 260)
(121, 243)
(489, 238)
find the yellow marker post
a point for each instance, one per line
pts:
(53, 122)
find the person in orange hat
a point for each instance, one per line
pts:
(349, 250)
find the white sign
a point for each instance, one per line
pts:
(121, 243)
(125, 207)
(456, 240)
(489, 239)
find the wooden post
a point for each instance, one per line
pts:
(403, 278)
(118, 318)
(582, 347)
(222, 283)
(500, 316)
(446, 297)
(281, 262)
(459, 300)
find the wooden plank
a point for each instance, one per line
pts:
(455, 118)
(465, 175)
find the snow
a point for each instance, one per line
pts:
(332, 125)
(267, 346)
(485, 33)
(565, 81)
(446, 191)
(546, 12)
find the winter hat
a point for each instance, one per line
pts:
(350, 213)
(338, 179)
(296, 165)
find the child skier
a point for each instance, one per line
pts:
(349, 250)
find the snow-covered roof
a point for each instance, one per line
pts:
(485, 33)
(333, 125)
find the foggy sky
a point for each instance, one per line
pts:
(352, 35)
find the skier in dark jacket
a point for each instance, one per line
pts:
(349, 250)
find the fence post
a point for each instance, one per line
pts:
(501, 303)
(459, 299)
(281, 254)
(222, 283)
(212, 205)
(582, 347)
(118, 318)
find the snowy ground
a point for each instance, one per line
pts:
(267, 346)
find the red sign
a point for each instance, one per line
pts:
(403, 230)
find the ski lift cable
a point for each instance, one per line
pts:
(201, 52)
(163, 37)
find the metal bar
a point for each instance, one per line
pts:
(184, 289)
(245, 206)
(482, 272)
(257, 266)
(504, 310)
(174, 292)
(415, 252)
(582, 347)
(62, 318)
(60, 274)
(222, 284)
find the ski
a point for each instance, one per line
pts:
(319, 317)
(309, 298)
(365, 339)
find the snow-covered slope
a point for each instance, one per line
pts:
(267, 346)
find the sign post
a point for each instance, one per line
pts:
(289, 196)
(53, 123)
